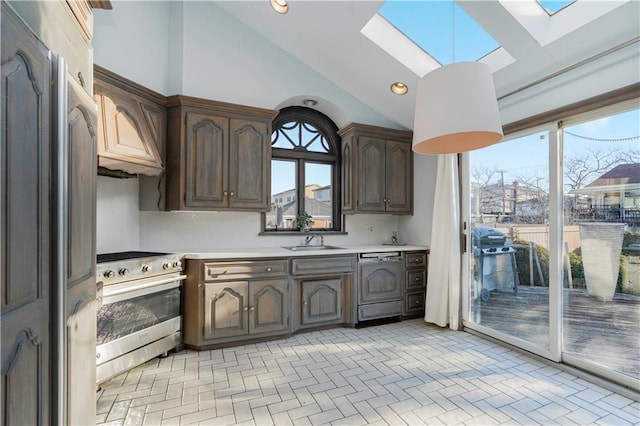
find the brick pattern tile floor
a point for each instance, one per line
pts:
(393, 374)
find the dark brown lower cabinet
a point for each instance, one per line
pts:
(232, 301)
(321, 301)
(245, 308)
(416, 267)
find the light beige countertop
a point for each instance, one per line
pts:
(270, 252)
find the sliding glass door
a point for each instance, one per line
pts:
(601, 245)
(552, 218)
(508, 291)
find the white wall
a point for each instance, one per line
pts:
(117, 215)
(133, 39)
(211, 231)
(416, 229)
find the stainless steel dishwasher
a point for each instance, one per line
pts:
(380, 284)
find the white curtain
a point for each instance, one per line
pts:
(442, 305)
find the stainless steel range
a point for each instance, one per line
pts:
(140, 316)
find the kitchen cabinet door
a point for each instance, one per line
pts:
(349, 169)
(249, 165)
(415, 283)
(398, 177)
(218, 156)
(321, 301)
(79, 266)
(224, 310)
(206, 152)
(25, 191)
(377, 170)
(269, 306)
(371, 174)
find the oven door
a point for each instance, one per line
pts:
(138, 320)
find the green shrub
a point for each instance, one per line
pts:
(522, 263)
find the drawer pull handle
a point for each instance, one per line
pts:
(269, 269)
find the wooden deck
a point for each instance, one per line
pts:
(604, 332)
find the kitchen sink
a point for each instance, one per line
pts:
(302, 248)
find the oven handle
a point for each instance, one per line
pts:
(116, 295)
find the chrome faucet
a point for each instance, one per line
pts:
(309, 238)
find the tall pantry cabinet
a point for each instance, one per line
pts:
(47, 212)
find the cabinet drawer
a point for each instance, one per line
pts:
(415, 279)
(379, 310)
(414, 302)
(323, 265)
(415, 259)
(239, 270)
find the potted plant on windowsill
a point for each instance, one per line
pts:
(303, 221)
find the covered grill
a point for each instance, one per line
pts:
(496, 262)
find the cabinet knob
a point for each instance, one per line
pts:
(417, 302)
(269, 269)
(384, 200)
(225, 193)
(417, 278)
(246, 309)
(304, 303)
(252, 308)
(231, 194)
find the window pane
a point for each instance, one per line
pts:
(300, 137)
(319, 194)
(509, 270)
(284, 206)
(601, 303)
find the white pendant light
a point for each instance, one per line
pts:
(456, 110)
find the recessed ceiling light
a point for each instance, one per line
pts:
(310, 102)
(280, 6)
(399, 88)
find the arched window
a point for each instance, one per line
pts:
(305, 172)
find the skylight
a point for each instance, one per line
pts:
(430, 26)
(553, 6)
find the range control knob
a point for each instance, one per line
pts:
(146, 268)
(109, 274)
(166, 265)
(177, 264)
(123, 272)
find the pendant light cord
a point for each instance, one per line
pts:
(453, 32)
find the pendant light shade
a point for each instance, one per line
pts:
(456, 110)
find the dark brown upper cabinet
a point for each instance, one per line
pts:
(218, 155)
(131, 125)
(377, 170)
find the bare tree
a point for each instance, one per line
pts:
(583, 168)
(482, 178)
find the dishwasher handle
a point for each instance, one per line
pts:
(393, 256)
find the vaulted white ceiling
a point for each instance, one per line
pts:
(328, 36)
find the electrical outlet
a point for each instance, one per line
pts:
(370, 228)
